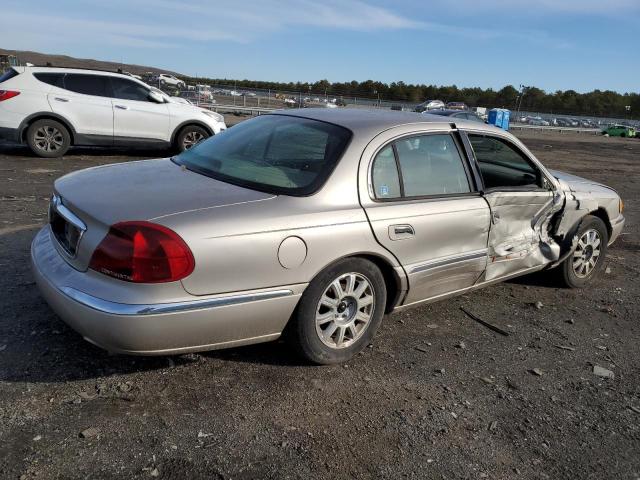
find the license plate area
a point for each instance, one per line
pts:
(66, 227)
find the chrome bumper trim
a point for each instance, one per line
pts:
(113, 308)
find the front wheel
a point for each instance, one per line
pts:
(588, 258)
(339, 312)
(190, 136)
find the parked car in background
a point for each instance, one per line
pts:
(538, 121)
(165, 80)
(51, 109)
(457, 106)
(315, 220)
(457, 114)
(619, 131)
(429, 105)
(561, 122)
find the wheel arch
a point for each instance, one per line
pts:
(34, 117)
(393, 282)
(602, 214)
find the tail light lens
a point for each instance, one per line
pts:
(143, 252)
(7, 94)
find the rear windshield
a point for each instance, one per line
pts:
(272, 153)
(8, 74)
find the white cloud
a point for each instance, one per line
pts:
(175, 23)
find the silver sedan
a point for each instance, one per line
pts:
(314, 222)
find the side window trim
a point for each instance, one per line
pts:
(470, 173)
(398, 169)
(471, 159)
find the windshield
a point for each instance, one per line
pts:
(272, 153)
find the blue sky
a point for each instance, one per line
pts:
(552, 44)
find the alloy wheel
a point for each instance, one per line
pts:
(587, 253)
(48, 139)
(191, 138)
(344, 311)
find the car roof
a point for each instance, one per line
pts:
(372, 122)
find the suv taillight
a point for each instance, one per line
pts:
(7, 94)
(143, 252)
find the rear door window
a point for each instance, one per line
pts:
(421, 166)
(431, 165)
(128, 90)
(95, 85)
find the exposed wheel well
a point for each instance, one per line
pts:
(45, 116)
(601, 213)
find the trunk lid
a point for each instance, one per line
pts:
(141, 190)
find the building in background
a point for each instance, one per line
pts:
(7, 61)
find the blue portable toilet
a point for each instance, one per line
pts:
(505, 119)
(499, 117)
(495, 117)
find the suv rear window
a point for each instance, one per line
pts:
(271, 153)
(55, 79)
(8, 74)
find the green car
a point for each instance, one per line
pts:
(619, 131)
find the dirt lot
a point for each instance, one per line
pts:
(435, 396)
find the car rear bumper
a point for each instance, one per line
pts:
(193, 324)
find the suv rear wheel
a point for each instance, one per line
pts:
(48, 138)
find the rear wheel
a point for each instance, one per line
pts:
(190, 136)
(48, 138)
(588, 258)
(339, 312)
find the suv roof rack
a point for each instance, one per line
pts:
(120, 70)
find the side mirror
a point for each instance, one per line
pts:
(155, 97)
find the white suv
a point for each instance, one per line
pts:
(51, 109)
(171, 81)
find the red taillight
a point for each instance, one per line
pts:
(7, 94)
(143, 252)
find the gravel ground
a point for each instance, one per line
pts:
(436, 395)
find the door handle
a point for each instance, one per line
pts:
(60, 99)
(122, 107)
(403, 229)
(400, 232)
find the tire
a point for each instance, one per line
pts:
(48, 138)
(331, 326)
(579, 275)
(190, 136)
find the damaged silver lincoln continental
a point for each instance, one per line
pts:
(314, 223)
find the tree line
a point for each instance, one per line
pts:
(602, 103)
